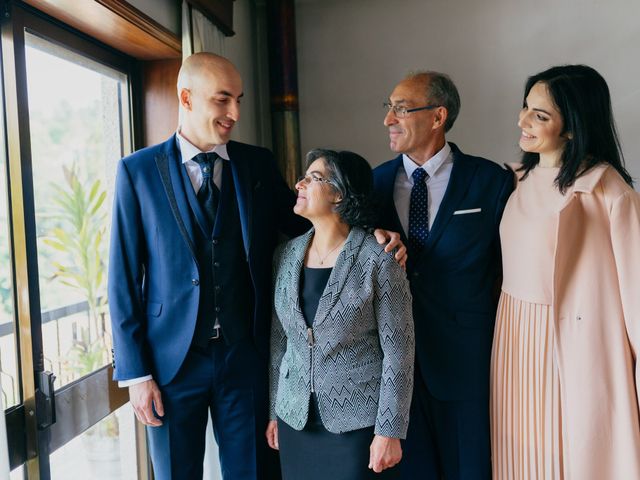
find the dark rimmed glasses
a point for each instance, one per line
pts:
(401, 111)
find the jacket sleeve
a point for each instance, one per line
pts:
(127, 256)
(507, 187)
(625, 239)
(392, 307)
(278, 346)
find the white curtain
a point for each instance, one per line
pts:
(4, 452)
(199, 34)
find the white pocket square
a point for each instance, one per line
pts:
(470, 210)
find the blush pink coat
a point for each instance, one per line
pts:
(596, 302)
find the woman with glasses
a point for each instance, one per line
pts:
(564, 397)
(342, 342)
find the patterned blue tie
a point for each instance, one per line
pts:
(418, 211)
(209, 194)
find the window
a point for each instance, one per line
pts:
(68, 118)
(9, 379)
(78, 119)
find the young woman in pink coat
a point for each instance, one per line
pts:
(564, 394)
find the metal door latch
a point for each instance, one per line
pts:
(45, 398)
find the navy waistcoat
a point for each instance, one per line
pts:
(226, 291)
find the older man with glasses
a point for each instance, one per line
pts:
(448, 207)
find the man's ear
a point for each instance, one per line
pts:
(440, 115)
(185, 98)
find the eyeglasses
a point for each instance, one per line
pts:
(402, 111)
(307, 179)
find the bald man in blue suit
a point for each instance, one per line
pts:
(190, 283)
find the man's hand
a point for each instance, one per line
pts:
(392, 239)
(384, 452)
(144, 397)
(272, 434)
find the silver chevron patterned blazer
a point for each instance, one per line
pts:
(358, 358)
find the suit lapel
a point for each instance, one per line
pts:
(168, 164)
(339, 274)
(244, 192)
(461, 176)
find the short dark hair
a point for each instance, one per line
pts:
(582, 96)
(351, 176)
(440, 91)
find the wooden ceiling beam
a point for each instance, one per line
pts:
(117, 24)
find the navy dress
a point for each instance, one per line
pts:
(314, 453)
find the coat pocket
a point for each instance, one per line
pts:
(153, 309)
(365, 372)
(284, 370)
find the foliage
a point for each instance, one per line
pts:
(80, 209)
(81, 237)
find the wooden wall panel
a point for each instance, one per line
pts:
(160, 99)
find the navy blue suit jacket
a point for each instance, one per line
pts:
(454, 280)
(153, 272)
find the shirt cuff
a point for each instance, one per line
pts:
(134, 381)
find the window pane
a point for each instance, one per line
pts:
(17, 474)
(8, 365)
(78, 113)
(105, 451)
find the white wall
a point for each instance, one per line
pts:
(352, 52)
(247, 50)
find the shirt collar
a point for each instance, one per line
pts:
(188, 150)
(431, 166)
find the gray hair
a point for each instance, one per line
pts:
(440, 91)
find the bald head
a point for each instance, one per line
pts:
(201, 65)
(209, 91)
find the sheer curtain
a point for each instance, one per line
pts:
(199, 34)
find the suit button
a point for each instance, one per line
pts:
(218, 288)
(216, 241)
(218, 309)
(195, 282)
(216, 264)
(416, 274)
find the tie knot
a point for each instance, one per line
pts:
(206, 161)
(419, 174)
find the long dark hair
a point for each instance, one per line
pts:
(351, 176)
(582, 97)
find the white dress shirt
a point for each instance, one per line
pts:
(438, 169)
(187, 152)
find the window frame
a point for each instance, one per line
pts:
(28, 444)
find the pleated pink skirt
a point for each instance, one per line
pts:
(526, 417)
